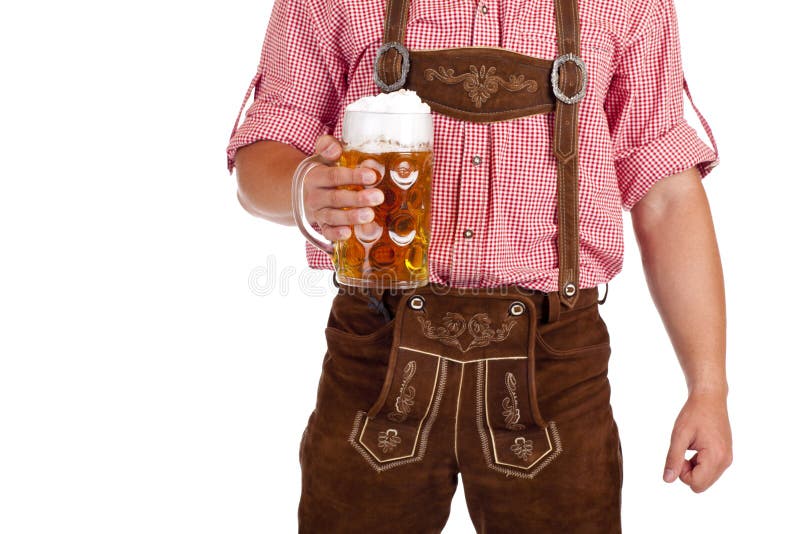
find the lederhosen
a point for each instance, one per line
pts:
(506, 386)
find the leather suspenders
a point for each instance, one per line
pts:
(451, 81)
(565, 146)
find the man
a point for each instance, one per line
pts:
(494, 224)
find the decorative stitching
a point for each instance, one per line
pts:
(388, 439)
(523, 448)
(423, 440)
(462, 361)
(482, 84)
(480, 414)
(572, 351)
(405, 398)
(479, 326)
(511, 405)
(458, 409)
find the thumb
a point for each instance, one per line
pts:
(328, 147)
(676, 462)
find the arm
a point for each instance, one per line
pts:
(675, 235)
(264, 173)
(298, 87)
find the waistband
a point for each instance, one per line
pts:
(548, 304)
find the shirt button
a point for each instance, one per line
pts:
(476, 160)
(468, 233)
(484, 9)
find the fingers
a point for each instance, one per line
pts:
(345, 198)
(676, 463)
(703, 468)
(323, 200)
(335, 197)
(328, 147)
(707, 465)
(324, 176)
(334, 233)
(336, 217)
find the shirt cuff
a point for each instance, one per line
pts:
(276, 123)
(675, 151)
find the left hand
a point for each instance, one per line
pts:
(701, 426)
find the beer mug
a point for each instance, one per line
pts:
(391, 251)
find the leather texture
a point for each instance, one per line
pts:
(565, 142)
(469, 384)
(490, 84)
(465, 84)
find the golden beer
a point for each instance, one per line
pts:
(392, 249)
(392, 134)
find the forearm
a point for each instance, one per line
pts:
(264, 173)
(675, 234)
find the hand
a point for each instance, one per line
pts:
(324, 198)
(701, 426)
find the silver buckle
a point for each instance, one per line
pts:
(403, 51)
(554, 78)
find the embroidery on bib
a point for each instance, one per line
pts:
(479, 327)
(482, 84)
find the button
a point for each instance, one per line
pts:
(416, 302)
(516, 308)
(476, 160)
(468, 233)
(484, 9)
(569, 289)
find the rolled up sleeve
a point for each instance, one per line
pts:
(644, 106)
(298, 84)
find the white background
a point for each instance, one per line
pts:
(146, 385)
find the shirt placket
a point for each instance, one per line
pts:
(472, 217)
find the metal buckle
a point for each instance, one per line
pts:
(554, 78)
(403, 51)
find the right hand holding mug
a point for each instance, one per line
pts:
(324, 197)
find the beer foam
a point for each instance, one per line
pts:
(401, 101)
(393, 131)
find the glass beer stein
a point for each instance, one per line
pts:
(391, 251)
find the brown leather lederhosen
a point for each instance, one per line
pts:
(505, 386)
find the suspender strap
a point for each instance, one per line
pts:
(567, 72)
(391, 62)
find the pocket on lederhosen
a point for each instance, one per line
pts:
(494, 333)
(394, 429)
(515, 440)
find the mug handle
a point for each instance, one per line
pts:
(298, 211)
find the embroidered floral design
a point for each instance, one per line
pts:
(482, 83)
(511, 405)
(523, 448)
(405, 398)
(388, 440)
(479, 326)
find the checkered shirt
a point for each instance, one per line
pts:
(493, 209)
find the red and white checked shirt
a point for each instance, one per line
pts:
(498, 179)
